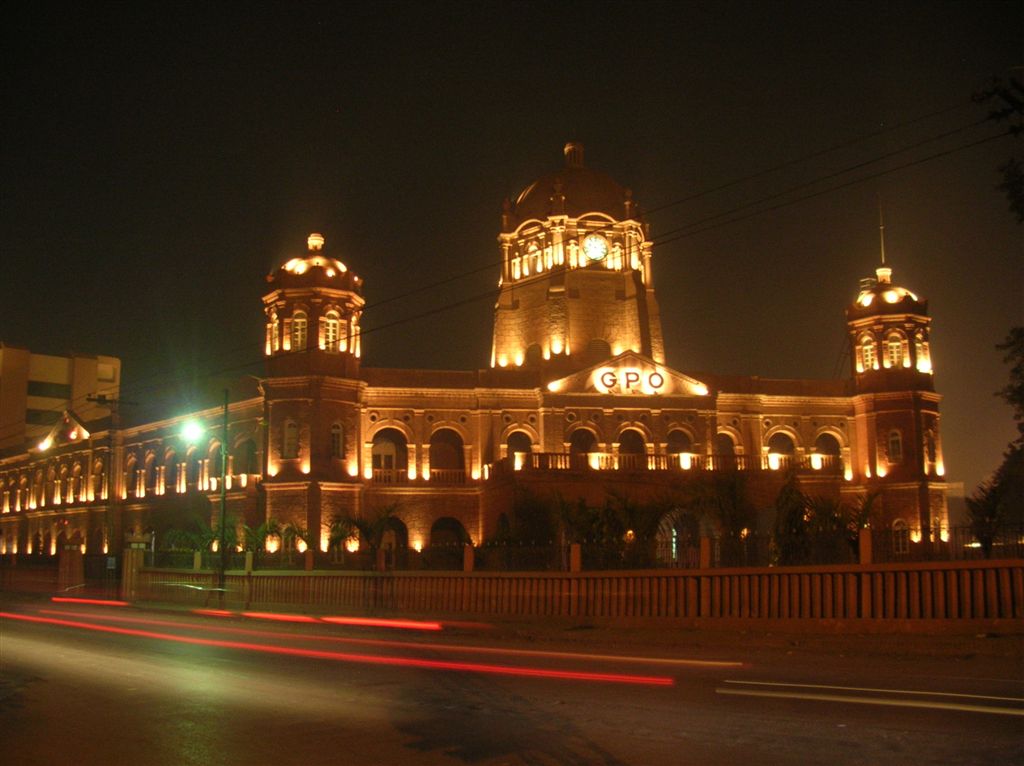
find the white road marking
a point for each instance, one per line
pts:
(876, 701)
(870, 689)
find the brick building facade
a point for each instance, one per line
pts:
(578, 400)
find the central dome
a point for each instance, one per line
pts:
(574, 191)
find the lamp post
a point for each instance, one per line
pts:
(191, 432)
(221, 547)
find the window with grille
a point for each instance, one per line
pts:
(337, 441)
(290, 445)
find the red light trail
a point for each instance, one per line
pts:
(408, 662)
(380, 642)
(98, 601)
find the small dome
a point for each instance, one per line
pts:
(314, 264)
(574, 191)
(880, 296)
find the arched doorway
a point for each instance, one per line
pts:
(582, 442)
(448, 531)
(519, 441)
(395, 543)
(447, 538)
(781, 444)
(518, 446)
(447, 457)
(632, 450)
(780, 451)
(678, 442)
(724, 454)
(678, 539)
(827, 454)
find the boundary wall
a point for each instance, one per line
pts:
(913, 594)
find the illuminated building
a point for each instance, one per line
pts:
(578, 400)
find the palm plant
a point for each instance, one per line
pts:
(292, 532)
(370, 528)
(256, 537)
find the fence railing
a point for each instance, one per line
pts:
(400, 476)
(921, 591)
(663, 552)
(605, 461)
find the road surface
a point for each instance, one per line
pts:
(89, 684)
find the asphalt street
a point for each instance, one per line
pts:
(90, 684)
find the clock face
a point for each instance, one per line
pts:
(595, 247)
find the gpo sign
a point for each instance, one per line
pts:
(629, 380)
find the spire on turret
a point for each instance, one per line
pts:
(883, 272)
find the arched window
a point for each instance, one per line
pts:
(192, 462)
(827, 444)
(895, 445)
(894, 350)
(300, 328)
(533, 259)
(273, 333)
(631, 442)
(245, 459)
(53, 486)
(923, 354)
(150, 476)
(868, 357)
(781, 444)
(290, 439)
(724, 445)
(170, 468)
(337, 441)
(332, 331)
(78, 488)
(582, 442)
(389, 450)
(130, 481)
(900, 537)
(98, 484)
(446, 451)
(679, 442)
(519, 441)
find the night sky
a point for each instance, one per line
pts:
(158, 163)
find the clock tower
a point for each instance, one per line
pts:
(576, 280)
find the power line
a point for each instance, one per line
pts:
(676, 234)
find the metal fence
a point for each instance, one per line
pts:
(954, 544)
(748, 550)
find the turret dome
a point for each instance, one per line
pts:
(879, 295)
(315, 268)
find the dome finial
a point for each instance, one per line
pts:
(315, 242)
(573, 154)
(884, 273)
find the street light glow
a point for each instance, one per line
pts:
(192, 431)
